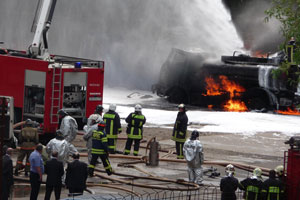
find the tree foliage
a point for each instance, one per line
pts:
(288, 13)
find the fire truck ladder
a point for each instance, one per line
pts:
(56, 92)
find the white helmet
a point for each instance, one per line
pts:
(181, 106)
(112, 107)
(229, 170)
(138, 108)
(95, 117)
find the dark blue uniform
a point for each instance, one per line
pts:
(228, 186)
(134, 131)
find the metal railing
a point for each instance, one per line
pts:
(204, 193)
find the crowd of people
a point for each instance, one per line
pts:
(101, 135)
(254, 187)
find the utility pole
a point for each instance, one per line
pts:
(2, 132)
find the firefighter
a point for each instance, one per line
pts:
(193, 153)
(279, 172)
(68, 126)
(272, 189)
(179, 130)
(281, 177)
(98, 111)
(135, 122)
(94, 119)
(28, 140)
(113, 127)
(99, 149)
(229, 184)
(290, 50)
(252, 185)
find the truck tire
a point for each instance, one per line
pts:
(257, 99)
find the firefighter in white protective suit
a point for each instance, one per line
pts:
(68, 125)
(98, 113)
(62, 146)
(91, 126)
(193, 153)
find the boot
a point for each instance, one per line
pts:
(16, 172)
(91, 172)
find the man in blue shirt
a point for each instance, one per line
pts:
(36, 171)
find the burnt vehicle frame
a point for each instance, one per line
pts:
(182, 80)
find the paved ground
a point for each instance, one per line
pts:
(263, 149)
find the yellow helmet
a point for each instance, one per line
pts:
(257, 172)
(279, 170)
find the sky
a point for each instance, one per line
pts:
(160, 113)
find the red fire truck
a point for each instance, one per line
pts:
(41, 83)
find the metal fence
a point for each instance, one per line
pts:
(204, 193)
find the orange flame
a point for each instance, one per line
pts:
(231, 87)
(225, 85)
(212, 88)
(235, 105)
(259, 54)
(289, 111)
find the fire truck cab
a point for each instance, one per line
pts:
(41, 83)
(40, 88)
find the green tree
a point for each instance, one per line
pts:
(288, 13)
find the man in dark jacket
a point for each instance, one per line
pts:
(135, 121)
(7, 174)
(113, 127)
(272, 189)
(229, 184)
(179, 130)
(76, 175)
(252, 186)
(54, 170)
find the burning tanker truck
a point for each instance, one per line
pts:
(236, 83)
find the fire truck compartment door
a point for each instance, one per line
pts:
(78, 78)
(35, 78)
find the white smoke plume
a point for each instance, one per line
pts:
(133, 37)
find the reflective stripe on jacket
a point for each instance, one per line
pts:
(273, 189)
(99, 140)
(113, 124)
(253, 187)
(180, 127)
(135, 123)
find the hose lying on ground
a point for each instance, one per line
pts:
(187, 185)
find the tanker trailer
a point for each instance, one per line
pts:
(188, 77)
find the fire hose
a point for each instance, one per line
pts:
(188, 185)
(245, 167)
